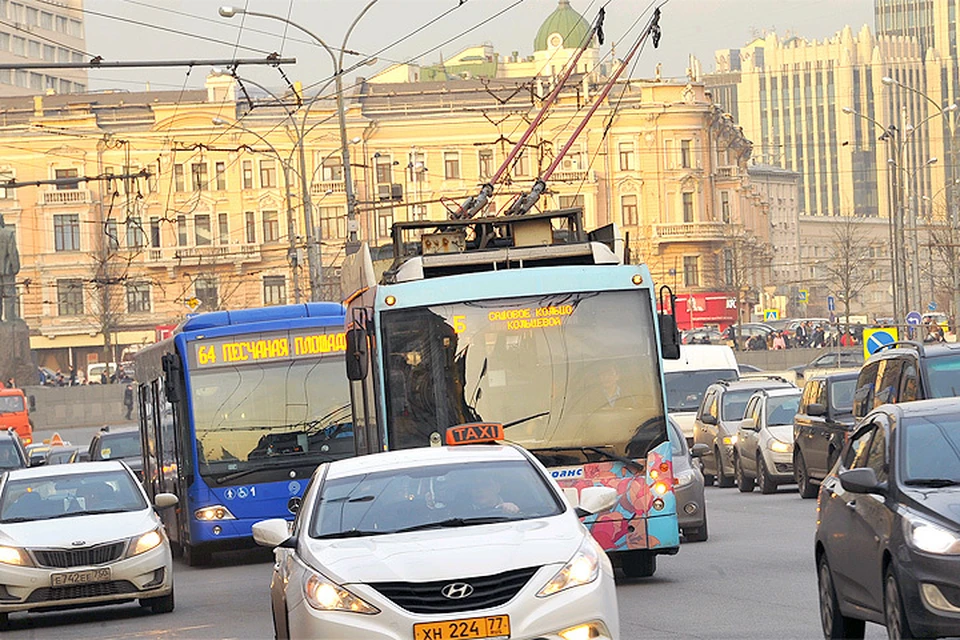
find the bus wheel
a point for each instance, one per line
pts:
(638, 564)
(195, 556)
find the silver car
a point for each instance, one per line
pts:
(691, 505)
(763, 452)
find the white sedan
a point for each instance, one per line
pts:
(81, 534)
(439, 543)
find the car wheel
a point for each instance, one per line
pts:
(764, 482)
(893, 613)
(195, 556)
(162, 604)
(696, 535)
(744, 484)
(4, 620)
(807, 488)
(834, 623)
(638, 564)
(708, 479)
(723, 480)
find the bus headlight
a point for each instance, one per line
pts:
(324, 595)
(583, 568)
(215, 512)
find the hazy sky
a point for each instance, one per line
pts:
(697, 27)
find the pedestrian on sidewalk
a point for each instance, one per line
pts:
(128, 400)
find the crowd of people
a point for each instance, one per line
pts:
(73, 379)
(813, 334)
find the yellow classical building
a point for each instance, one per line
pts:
(134, 209)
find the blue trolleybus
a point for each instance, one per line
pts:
(530, 322)
(236, 411)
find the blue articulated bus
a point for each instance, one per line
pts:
(237, 409)
(533, 323)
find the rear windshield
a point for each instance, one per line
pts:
(734, 404)
(11, 404)
(943, 374)
(685, 389)
(931, 449)
(841, 395)
(120, 445)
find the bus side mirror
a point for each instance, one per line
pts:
(172, 371)
(669, 337)
(356, 356)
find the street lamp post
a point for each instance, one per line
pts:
(338, 72)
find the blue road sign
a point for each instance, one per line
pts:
(878, 339)
(932, 306)
(831, 303)
(914, 318)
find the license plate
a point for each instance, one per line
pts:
(465, 629)
(80, 577)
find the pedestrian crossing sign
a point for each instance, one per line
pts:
(770, 314)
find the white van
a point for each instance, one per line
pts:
(96, 369)
(699, 366)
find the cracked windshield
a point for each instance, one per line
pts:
(558, 371)
(255, 413)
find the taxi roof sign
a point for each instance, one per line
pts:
(474, 433)
(56, 440)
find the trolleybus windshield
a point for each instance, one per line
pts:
(560, 372)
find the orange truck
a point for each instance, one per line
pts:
(13, 413)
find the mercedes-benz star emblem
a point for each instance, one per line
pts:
(456, 591)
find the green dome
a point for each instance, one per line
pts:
(565, 21)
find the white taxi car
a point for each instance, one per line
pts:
(437, 543)
(81, 534)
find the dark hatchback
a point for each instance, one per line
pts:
(888, 535)
(821, 426)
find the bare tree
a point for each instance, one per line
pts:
(742, 264)
(944, 244)
(849, 266)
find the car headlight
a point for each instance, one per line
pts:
(214, 512)
(684, 477)
(15, 556)
(147, 541)
(324, 595)
(930, 538)
(778, 446)
(583, 568)
(730, 440)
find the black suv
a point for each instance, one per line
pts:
(906, 371)
(12, 454)
(820, 428)
(718, 420)
(888, 534)
(118, 444)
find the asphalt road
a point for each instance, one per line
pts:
(754, 578)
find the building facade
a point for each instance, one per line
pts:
(40, 31)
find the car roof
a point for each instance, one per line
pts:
(921, 408)
(412, 458)
(776, 392)
(64, 469)
(922, 350)
(121, 430)
(754, 383)
(843, 375)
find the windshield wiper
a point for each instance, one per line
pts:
(455, 522)
(350, 533)
(599, 451)
(527, 419)
(276, 464)
(932, 482)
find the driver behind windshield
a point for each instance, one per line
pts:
(485, 497)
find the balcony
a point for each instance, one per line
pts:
(64, 197)
(691, 232)
(732, 171)
(333, 186)
(574, 175)
(212, 253)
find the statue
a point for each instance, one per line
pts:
(9, 268)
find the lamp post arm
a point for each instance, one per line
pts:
(917, 92)
(346, 36)
(302, 28)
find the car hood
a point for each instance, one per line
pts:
(439, 554)
(943, 502)
(782, 432)
(91, 530)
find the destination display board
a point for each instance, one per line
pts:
(267, 347)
